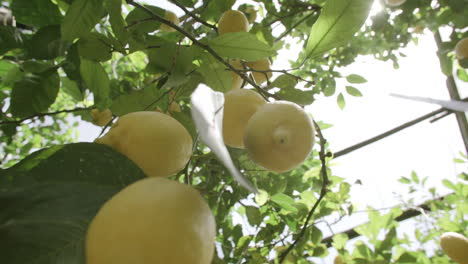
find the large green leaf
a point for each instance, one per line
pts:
(241, 45)
(138, 21)
(49, 198)
(118, 24)
(94, 46)
(47, 44)
(337, 23)
(36, 13)
(215, 74)
(138, 101)
(81, 17)
(96, 80)
(34, 93)
(10, 38)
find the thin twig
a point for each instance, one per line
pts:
(196, 18)
(293, 27)
(19, 121)
(323, 171)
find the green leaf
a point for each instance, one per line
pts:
(215, 74)
(253, 215)
(137, 15)
(46, 208)
(170, 57)
(137, 101)
(285, 202)
(446, 64)
(81, 17)
(355, 78)
(118, 24)
(462, 75)
(46, 43)
(353, 91)
(340, 101)
(96, 80)
(36, 13)
(5, 67)
(404, 180)
(338, 22)
(71, 88)
(11, 38)
(34, 93)
(95, 46)
(414, 177)
(408, 257)
(449, 184)
(261, 197)
(284, 81)
(241, 45)
(339, 241)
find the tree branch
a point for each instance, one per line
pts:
(191, 14)
(293, 27)
(323, 192)
(19, 121)
(196, 42)
(412, 212)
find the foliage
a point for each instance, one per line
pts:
(66, 57)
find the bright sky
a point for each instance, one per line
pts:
(427, 148)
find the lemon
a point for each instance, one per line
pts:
(239, 106)
(279, 136)
(171, 17)
(455, 246)
(101, 118)
(394, 3)
(461, 49)
(232, 21)
(237, 81)
(156, 142)
(260, 65)
(154, 220)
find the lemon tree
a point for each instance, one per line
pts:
(72, 63)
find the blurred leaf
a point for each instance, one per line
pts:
(34, 93)
(338, 22)
(240, 45)
(341, 101)
(404, 180)
(449, 184)
(138, 101)
(45, 12)
(46, 43)
(284, 202)
(339, 241)
(353, 91)
(94, 46)
(261, 197)
(11, 38)
(284, 81)
(81, 17)
(215, 74)
(118, 24)
(355, 78)
(96, 80)
(253, 215)
(462, 75)
(137, 15)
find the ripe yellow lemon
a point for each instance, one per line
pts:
(394, 3)
(156, 142)
(239, 106)
(171, 17)
(279, 136)
(101, 118)
(260, 65)
(455, 246)
(461, 49)
(154, 220)
(237, 81)
(232, 21)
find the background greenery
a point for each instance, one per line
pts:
(66, 57)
